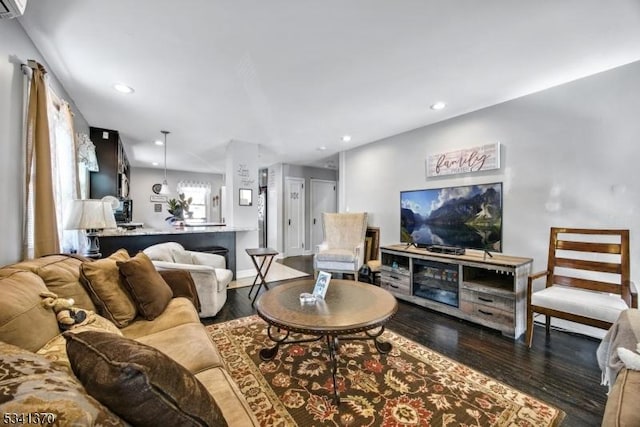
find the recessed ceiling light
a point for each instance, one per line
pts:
(346, 138)
(155, 163)
(123, 88)
(158, 142)
(321, 148)
(438, 106)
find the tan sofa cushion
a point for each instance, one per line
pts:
(198, 355)
(224, 390)
(24, 321)
(103, 283)
(179, 312)
(139, 383)
(31, 384)
(61, 275)
(145, 285)
(621, 407)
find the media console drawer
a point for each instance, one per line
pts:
(395, 282)
(487, 313)
(500, 302)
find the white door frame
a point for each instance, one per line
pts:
(294, 251)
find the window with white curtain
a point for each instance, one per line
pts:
(64, 169)
(199, 193)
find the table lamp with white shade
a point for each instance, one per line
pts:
(91, 215)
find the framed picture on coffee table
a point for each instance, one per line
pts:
(322, 283)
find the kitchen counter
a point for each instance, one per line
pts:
(188, 229)
(213, 239)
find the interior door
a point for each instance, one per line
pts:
(323, 199)
(294, 216)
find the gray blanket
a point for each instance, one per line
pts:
(625, 332)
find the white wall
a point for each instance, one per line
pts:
(16, 48)
(568, 159)
(142, 179)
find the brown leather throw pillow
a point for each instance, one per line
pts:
(139, 383)
(145, 285)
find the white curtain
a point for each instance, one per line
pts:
(64, 169)
(87, 162)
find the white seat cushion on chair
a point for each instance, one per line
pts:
(596, 305)
(340, 255)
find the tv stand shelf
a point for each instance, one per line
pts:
(490, 291)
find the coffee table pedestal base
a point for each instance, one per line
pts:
(275, 334)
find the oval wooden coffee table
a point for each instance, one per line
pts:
(348, 308)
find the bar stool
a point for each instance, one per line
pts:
(262, 259)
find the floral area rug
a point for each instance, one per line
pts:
(410, 386)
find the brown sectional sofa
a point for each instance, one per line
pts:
(27, 327)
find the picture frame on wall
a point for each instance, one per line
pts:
(246, 197)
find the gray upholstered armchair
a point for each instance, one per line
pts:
(208, 271)
(342, 250)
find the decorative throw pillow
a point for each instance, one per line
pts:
(181, 256)
(139, 383)
(182, 285)
(102, 280)
(145, 285)
(31, 384)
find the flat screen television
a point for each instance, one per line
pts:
(468, 216)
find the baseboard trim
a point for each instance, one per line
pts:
(241, 274)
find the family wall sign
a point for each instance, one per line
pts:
(475, 159)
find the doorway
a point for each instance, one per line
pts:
(323, 199)
(294, 216)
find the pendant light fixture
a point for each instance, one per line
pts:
(165, 186)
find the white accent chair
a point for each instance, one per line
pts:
(342, 250)
(208, 271)
(587, 279)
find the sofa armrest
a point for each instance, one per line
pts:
(182, 285)
(213, 260)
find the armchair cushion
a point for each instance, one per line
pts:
(145, 285)
(341, 255)
(595, 305)
(181, 256)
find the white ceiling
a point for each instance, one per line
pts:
(295, 75)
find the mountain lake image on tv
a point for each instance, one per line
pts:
(468, 216)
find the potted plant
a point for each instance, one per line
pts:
(178, 208)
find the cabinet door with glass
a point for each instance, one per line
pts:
(436, 281)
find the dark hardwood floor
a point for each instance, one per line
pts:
(561, 370)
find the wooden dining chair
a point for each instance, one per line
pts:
(587, 279)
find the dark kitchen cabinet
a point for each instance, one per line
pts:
(113, 177)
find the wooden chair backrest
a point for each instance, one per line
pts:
(597, 260)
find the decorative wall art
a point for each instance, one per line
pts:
(246, 197)
(157, 198)
(467, 160)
